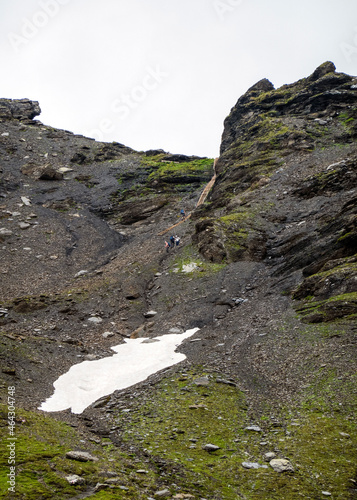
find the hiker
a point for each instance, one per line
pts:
(177, 240)
(183, 213)
(172, 241)
(167, 246)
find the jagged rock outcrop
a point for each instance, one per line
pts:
(19, 109)
(286, 181)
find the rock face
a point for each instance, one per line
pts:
(19, 109)
(285, 188)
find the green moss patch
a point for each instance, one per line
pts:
(188, 410)
(42, 466)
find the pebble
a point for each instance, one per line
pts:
(24, 225)
(162, 493)
(253, 465)
(281, 465)
(81, 456)
(26, 201)
(270, 455)
(202, 381)
(175, 330)
(326, 493)
(5, 232)
(80, 273)
(150, 314)
(210, 447)
(254, 428)
(74, 479)
(227, 382)
(108, 334)
(95, 319)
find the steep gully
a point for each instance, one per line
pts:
(135, 360)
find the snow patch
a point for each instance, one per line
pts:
(86, 382)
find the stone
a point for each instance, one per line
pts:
(95, 319)
(49, 173)
(162, 493)
(64, 170)
(80, 273)
(226, 382)
(150, 314)
(269, 456)
(108, 334)
(101, 486)
(326, 493)
(253, 465)
(210, 447)
(74, 479)
(142, 471)
(26, 201)
(254, 428)
(24, 225)
(5, 232)
(202, 381)
(19, 109)
(175, 330)
(281, 465)
(81, 456)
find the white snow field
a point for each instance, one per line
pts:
(136, 360)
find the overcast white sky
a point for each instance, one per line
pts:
(163, 73)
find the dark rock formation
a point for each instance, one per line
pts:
(19, 109)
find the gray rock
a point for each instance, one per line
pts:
(49, 173)
(108, 334)
(24, 225)
(26, 201)
(281, 465)
(80, 273)
(150, 314)
(101, 486)
(95, 319)
(227, 382)
(175, 330)
(81, 456)
(5, 232)
(19, 109)
(253, 465)
(270, 455)
(254, 428)
(162, 493)
(210, 447)
(202, 381)
(74, 479)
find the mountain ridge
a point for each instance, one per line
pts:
(271, 284)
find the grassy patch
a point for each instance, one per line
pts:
(179, 417)
(189, 257)
(42, 467)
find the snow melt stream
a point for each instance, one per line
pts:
(86, 382)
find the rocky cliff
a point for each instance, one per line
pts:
(264, 406)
